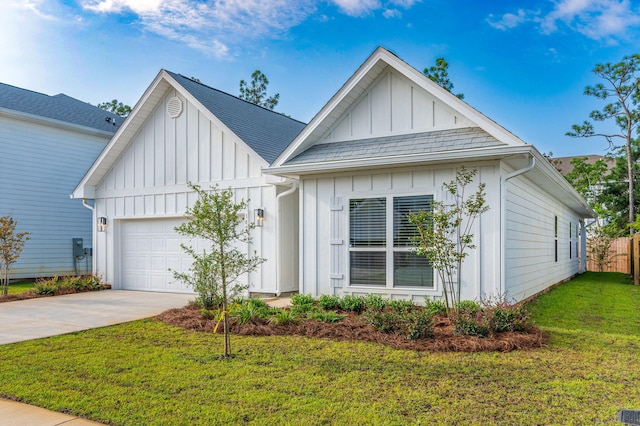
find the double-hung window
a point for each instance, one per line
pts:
(380, 241)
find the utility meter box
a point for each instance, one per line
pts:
(78, 249)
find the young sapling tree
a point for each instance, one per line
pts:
(444, 232)
(11, 245)
(215, 271)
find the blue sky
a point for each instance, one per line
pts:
(522, 63)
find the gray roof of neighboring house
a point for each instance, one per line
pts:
(267, 132)
(404, 144)
(59, 107)
(564, 166)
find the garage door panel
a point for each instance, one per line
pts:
(150, 249)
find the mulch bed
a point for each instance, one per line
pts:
(30, 294)
(354, 327)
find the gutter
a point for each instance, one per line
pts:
(294, 187)
(503, 216)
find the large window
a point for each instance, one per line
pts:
(380, 237)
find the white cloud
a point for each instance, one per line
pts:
(392, 13)
(596, 19)
(508, 20)
(210, 26)
(367, 7)
(357, 7)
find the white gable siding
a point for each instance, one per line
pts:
(150, 179)
(39, 167)
(324, 229)
(394, 105)
(530, 240)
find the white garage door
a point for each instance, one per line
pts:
(148, 249)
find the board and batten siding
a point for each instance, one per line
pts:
(150, 180)
(530, 240)
(324, 229)
(40, 165)
(392, 105)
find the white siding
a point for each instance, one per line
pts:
(40, 166)
(393, 105)
(324, 223)
(530, 240)
(150, 180)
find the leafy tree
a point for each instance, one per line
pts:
(615, 194)
(439, 74)
(622, 85)
(444, 232)
(116, 107)
(589, 180)
(196, 79)
(256, 93)
(11, 245)
(215, 271)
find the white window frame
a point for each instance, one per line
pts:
(389, 248)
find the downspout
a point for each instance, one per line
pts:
(93, 234)
(583, 244)
(294, 187)
(503, 219)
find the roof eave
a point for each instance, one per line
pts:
(397, 160)
(38, 119)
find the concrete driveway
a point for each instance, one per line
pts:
(50, 316)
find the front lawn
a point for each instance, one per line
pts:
(147, 372)
(20, 287)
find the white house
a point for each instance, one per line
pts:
(182, 131)
(383, 145)
(46, 145)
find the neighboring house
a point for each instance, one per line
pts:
(382, 146)
(182, 131)
(388, 140)
(46, 145)
(564, 166)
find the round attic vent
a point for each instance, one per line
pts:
(174, 107)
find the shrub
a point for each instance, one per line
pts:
(384, 321)
(509, 317)
(472, 324)
(302, 299)
(419, 324)
(252, 310)
(412, 324)
(352, 303)
(435, 307)
(468, 307)
(282, 316)
(329, 302)
(92, 282)
(400, 305)
(374, 302)
(45, 288)
(329, 317)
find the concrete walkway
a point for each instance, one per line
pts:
(18, 414)
(49, 316)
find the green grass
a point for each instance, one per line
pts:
(148, 373)
(21, 287)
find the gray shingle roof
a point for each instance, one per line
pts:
(405, 144)
(59, 107)
(267, 132)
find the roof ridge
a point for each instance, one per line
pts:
(27, 90)
(236, 97)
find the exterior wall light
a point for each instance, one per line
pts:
(102, 224)
(259, 217)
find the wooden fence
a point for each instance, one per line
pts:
(621, 250)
